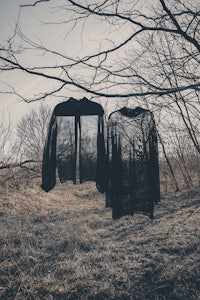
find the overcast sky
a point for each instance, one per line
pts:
(30, 22)
(86, 38)
(9, 104)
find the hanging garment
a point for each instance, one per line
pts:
(75, 144)
(133, 171)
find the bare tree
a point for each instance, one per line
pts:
(180, 160)
(174, 67)
(31, 135)
(141, 26)
(8, 150)
(6, 154)
(21, 150)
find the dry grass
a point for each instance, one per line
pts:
(65, 245)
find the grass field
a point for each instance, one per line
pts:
(65, 245)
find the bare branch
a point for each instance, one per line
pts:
(177, 25)
(34, 4)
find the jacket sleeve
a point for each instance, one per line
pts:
(155, 179)
(101, 158)
(49, 157)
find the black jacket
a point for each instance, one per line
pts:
(75, 144)
(133, 177)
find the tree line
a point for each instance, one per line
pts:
(21, 152)
(146, 53)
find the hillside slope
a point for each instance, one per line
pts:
(65, 245)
